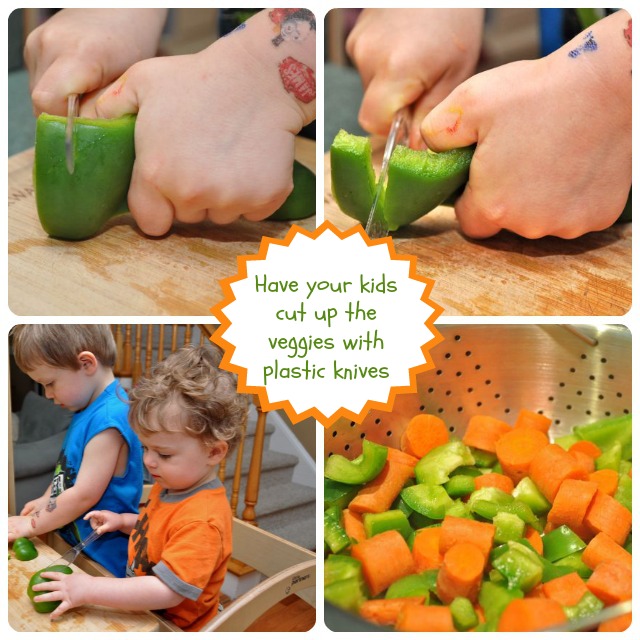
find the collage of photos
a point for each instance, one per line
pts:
(153, 154)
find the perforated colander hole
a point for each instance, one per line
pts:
(592, 377)
(353, 424)
(363, 436)
(556, 421)
(430, 390)
(470, 390)
(479, 403)
(440, 410)
(626, 411)
(611, 376)
(458, 374)
(578, 392)
(618, 395)
(467, 353)
(550, 398)
(334, 434)
(600, 396)
(572, 370)
(561, 384)
(447, 356)
(487, 382)
(439, 372)
(588, 412)
(478, 367)
(460, 409)
(507, 410)
(422, 407)
(607, 413)
(603, 360)
(456, 338)
(583, 356)
(569, 407)
(448, 392)
(347, 447)
(389, 434)
(497, 396)
(377, 421)
(452, 429)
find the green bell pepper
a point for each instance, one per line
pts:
(573, 562)
(508, 527)
(375, 523)
(605, 433)
(459, 486)
(440, 462)
(560, 543)
(418, 181)
(623, 492)
(36, 578)
(588, 605)
(24, 549)
(611, 458)
(527, 492)
(520, 565)
(417, 584)
(463, 614)
(348, 594)
(484, 459)
(494, 598)
(76, 206)
(429, 500)
(335, 536)
(338, 493)
(339, 567)
(359, 470)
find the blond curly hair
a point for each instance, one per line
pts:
(207, 397)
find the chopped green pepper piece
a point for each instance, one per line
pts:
(566, 442)
(419, 521)
(76, 206)
(410, 586)
(463, 614)
(484, 459)
(573, 562)
(458, 509)
(334, 534)
(560, 543)
(588, 605)
(440, 462)
(460, 485)
(338, 494)
(360, 470)
(348, 594)
(508, 527)
(338, 567)
(611, 458)
(605, 433)
(375, 523)
(493, 598)
(527, 492)
(431, 501)
(521, 566)
(623, 492)
(474, 472)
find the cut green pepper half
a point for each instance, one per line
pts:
(76, 206)
(24, 549)
(360, 470)
(418, 181)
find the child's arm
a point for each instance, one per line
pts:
(553, 137)
(82, 50)
(37, 504)
(98, 466)
(412, 57)
(139, 593)
(215, 130)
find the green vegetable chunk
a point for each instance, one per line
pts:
(417, 584)
(440, 462)
(24, 549)
(36, 578)
(560, 543)
(463, 614)
(360, 470)
(375, 523)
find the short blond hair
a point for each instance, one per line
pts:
(59, 345)
(206, 396)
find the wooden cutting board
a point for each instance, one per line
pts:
(120, 271)
(507, 274)
(23, 617)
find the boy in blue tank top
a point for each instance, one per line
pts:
(100, 465)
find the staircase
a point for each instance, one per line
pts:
(287, 499)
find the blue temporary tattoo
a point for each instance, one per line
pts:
(588, 45)
(240, 27)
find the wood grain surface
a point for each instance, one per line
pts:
(120, 271)
(23, 617)
(507, 274)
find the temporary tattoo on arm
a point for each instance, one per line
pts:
(627, 33)
(51, 505)
(293, 25)
(588, 45)
(298, 79)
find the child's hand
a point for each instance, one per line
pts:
(553, 135)
(215, 130)
(71, 589)
(81, 50)
(34, 505)
(105, 521)
(20, 527)
(412, 56)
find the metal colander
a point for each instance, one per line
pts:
(574, 374)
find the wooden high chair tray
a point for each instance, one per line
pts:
(507, 274)
(23, 617)
(120, 271)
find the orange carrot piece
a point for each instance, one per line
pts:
(621, 623)
(550, 466)
(385, 558)
(531, 614)
(417, 617)
(571, 504)
(611, 582)
(534, 538)
(536, 592)
(423, 433)
(586, 446)
(497, 480)
(353, 525)
(378, 495)
(461, 573)
(484, 431)
(607, 514)
(607, 480)
(384, 611)
(565, 590)
(395, 455)
(426, 549)
(532, 420)
(587, 463)
(455, 530)
(516, 450)
(603, 548)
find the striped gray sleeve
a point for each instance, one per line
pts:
(162, 571)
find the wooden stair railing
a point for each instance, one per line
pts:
(136, 349)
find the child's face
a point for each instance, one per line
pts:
(178, 461)
(73, 390)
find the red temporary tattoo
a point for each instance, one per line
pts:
(298, 79)
(33, 523)
(627, 33)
